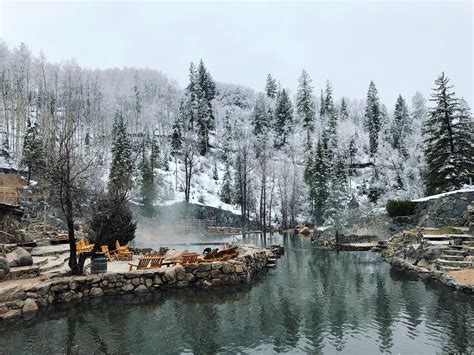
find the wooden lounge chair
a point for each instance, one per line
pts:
(82, 246)
(156, 261)
(111, 255)
(211, 254)
(142, 264)
(123, 252)
(188, 258)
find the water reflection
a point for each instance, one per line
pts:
(314, 301)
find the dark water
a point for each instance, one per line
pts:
(315, 301)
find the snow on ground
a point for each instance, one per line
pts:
(434, 197)
(205, 190)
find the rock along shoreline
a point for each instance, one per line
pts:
(25, 299)
(442, 277)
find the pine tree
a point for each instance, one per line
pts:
(203, 124)
(227, 138)
(373, 118)
(226, 189)
(319, 192)
(200, 93)
(120, 176)
(376, 186)
(112, 221)
(344, 113)
(148, 189)
(190, 105)
(400, 126)
(176, 137)
(330, 120)
(215, 175)
(260, 120)
(321, 106)
(271, 87)
(439, 133)
(207, 92)
(352, 149)
(283, 119)
(155, 155)
(305, 104)
(337, 200)
(34, 154)
(419, 110)
(464, 143)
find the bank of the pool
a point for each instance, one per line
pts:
(25, 299)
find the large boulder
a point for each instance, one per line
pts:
(4, 268)
(19, 257)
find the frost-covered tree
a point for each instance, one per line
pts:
(338, 197)
(344, 111)
(215, 174)
(283, 119)
(401, 127)
(419, 111)
(373, 118)
(197, 104)
(305, 104)
(330, 122)
(33, 149)
(176, 137)
(260, 120)
(464, 143)
(443, 134)
(319, 183)
(226, 192)
(121, 169)
(271, 87)
(227, 139)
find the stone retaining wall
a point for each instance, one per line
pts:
(449, 210)
(25, 300)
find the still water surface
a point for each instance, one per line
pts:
(315, 301)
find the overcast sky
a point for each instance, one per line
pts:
(402, 46)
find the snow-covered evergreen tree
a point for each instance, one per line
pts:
(176, 137)
(441, 139)
(226, 192)
(344, 111)
(401, 127)
(464, 143)
(305, 105)
(271, 87)
(121, 169)
(283, 119)
(320, 184)
(338, 194)
(260, 120)
(373, 118)
(33, 149)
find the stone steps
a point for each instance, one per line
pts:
(453, 257)
(23, 272)
(461, 264)
(53, 264)
(453, 252)
(449, 268)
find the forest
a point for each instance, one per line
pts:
(95, 141)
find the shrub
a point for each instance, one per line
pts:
(397, 208)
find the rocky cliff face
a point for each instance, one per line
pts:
(448, 210)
